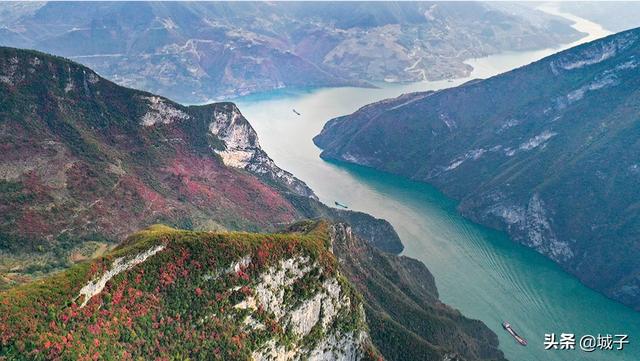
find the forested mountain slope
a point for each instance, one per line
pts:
(546, 152)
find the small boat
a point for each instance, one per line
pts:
(513, 333)
(295, 111)
(340, 205)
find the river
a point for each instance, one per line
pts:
(478, 271)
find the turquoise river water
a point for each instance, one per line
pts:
(478, 271)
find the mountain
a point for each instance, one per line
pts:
(406, 319)
(545, 152)
(178, 294)
(196, 51)
(85, 161)
(234, 296)
(81, 154)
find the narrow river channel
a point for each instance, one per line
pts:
(477, 270)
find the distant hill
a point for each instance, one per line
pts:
(546, 152)
(197, 51)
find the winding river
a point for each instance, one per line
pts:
(478, 270)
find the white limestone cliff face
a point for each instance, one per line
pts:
(532, 225)
(241, 142)
(324, 322)
(120, 265)
(312, 321)
(161, 112)
(242, 149)
(593, 53)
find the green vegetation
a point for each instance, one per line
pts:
(79, 161)
(178, 303)
(405, 318)
(546, 152)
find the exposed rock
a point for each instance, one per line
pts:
(161, 112)
(532, 225)
(595, 52)
(561, 134)
(401, 303)
(285, 299)
(538, 140)
(242, 150)
(120, 265)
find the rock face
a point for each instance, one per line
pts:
(242, 150)
(185, 294)
(405, 317)
(85, 159)
(119, 265)
(194, 52)
(544, 152)
(241, 296)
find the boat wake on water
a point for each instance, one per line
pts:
(513, 333)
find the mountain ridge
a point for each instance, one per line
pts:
(262, 296)
(80, 153)
(529, 151)
(186, 294)
(78, 148)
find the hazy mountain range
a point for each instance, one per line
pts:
(613, 15)
(545, 152)
(194, 52)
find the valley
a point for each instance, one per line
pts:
(478, 270)
(86, 163)
(135, 226)
(203, 52)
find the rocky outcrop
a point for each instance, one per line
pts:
(242, 150)
(119, 265)
(233, 296)
(160, 111)
(80, 154)
(405, 317)
(320, 312)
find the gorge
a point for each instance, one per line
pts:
(477, 270)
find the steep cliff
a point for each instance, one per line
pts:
(80, 154)
(406, 319)
(240, 296)
(545, 152)
(86, 161)
(179, 294)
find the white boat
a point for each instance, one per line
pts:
(507, 326)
